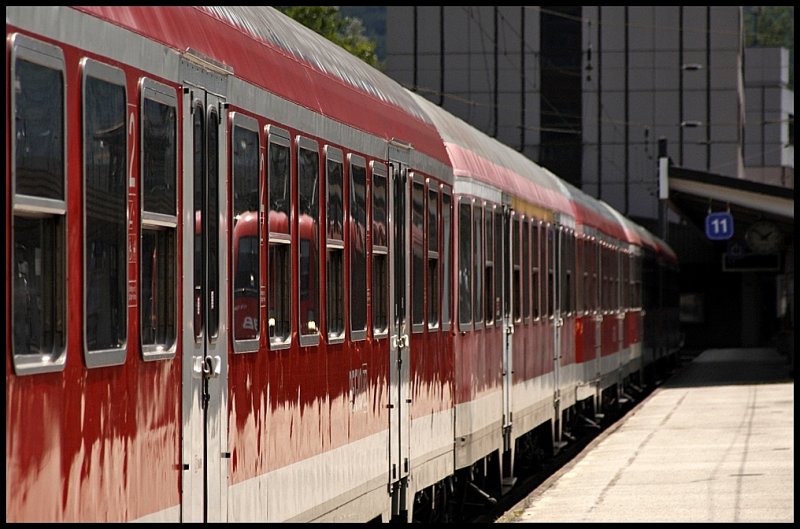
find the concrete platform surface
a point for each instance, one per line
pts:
(715, 443)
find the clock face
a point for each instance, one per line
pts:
(763, 237)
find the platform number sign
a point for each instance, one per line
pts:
(719, 226)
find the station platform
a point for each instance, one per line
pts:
(714, 443)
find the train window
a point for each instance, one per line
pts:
(561, 270)
(578, 273)
(618, 255)
(279, 303)
(566, 272)
(488, 276)
(246, 258)
(334, 248)
(587, 275)
(536, 291)
(105, 201)
(603, 277)
(159, 220)
(587, 261)
(358, 248)
(308, 236)
(637, 279)
(550, 279)
(498, 264)
(38, 299)
(477, 264)
(417, 255)
(592, 266)
(526, 270)
(516, 287)
(446, 251)
(205, 160)
(380, 270)
(625, 283)
(465, 263)
(609, 279)
(594, 297)
(433, 254)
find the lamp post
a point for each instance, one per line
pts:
(663, 187)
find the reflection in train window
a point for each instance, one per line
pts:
(499, 262)
(488, 275)
(212, 223)
(417, 259)
(38, 300)
(334, 228)
(280, 279)
(105, 208)
(279, 186)
(477, 262)
(246, 234)
(526, 270)
(159, 220)
(433, 256)
(308, 233)
(446, 250)
(465, 264)
(380, 277)
(535, 259)
(516, 277)
(550, 278)
(358, 249)
(280, 293)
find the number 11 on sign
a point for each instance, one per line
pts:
(719, 226)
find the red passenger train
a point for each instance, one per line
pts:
(253, 279)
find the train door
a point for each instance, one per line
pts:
(505, 262)
(399, 361)
(554, 234)
(597, 318)
(204, 380)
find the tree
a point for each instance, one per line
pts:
(771, 26)
(346, 32)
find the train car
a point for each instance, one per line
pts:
(253, 279)
(212, 305)
(560, 337)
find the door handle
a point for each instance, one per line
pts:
(212, 366)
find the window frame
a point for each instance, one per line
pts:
(418, 184)
(489, 253)
(433, 253)
(116, 76)
(380, 170)
(525, 267)
(166, 95)
(250, 124)
(465, 201)
(278, 136)
(358, 161)
(536, 270)
(446, 258)
(333, 155)
(478, 266)
(48, 56)
(308, 339)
